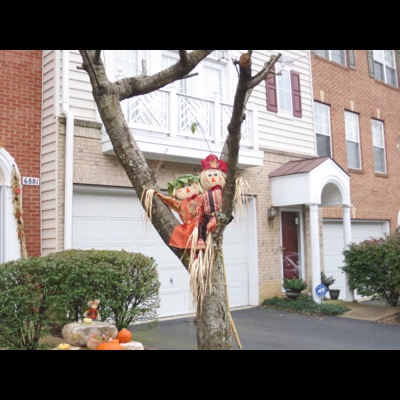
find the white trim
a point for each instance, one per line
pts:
(253, 253)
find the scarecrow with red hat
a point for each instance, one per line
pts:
(213, 180)
(183, 198)
(93, 312)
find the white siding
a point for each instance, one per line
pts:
(80, 91)
(275, 132)
(294, 135)
(48, 174)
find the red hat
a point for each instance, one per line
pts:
(212, 162)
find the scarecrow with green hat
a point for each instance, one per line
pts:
(183, 197)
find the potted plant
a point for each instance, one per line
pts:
(328, 281)
(294, 287)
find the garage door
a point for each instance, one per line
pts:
(114, 219)
(333, 245)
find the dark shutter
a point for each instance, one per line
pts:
(398, 66)
(296, 93)
(352, 59)
(371, 68)
(270, 84)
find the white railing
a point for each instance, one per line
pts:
(175, 113)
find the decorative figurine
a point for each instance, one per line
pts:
(93, 312)
(183, 198)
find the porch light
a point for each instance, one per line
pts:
(271, 213)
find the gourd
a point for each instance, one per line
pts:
(63, 346)
(87, 320)
(124, 336)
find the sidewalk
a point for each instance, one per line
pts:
(369, 310)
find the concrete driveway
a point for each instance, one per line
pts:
(264, 329)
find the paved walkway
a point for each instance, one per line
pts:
(264, 329)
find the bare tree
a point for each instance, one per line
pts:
(213, 319)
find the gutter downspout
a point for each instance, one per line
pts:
(69, 151)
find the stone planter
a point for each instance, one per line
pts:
(292, 295)
(334, 294)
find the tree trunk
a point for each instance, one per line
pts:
(213, 321)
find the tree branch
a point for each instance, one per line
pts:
(256, 79)
(183, 56)
(96, 57)
(135, 86)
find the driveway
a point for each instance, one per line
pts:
(264, 329)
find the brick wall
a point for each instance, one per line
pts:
(20, 128)
(374, 196)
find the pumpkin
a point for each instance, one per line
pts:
(87, 320)
(63, 346)
(124, 336)
(113, 344)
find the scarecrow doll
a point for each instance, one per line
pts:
(183, 197)
(93, 312)
(213, 180)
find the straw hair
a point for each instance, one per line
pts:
(242, 190)
(148, 194)
(200, 271)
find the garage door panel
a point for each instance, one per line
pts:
(107, 220)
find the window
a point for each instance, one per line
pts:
(322, 129)
(284, 87)
(284, 92)
(385, 66)
(343, 57)
(169, 59)
(338, 56)
(378, 141)
(125, 63)
(352, 140)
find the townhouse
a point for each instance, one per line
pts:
(357, 123)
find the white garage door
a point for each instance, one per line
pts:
(114, 219)
(334, 244)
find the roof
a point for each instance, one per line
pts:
(300, 166)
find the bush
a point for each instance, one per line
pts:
(125, 283)
(373, 268)
(27, 291)
(36, 293)
(304, 305)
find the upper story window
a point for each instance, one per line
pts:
(352, 140)
(382, 65)
(338, 56)
(378, 141)
(122, 63)
(322, 129)
(343, 57)
(284, 91)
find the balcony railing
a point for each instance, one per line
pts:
(169, 112)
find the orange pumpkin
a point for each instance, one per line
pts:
(124, 336)
(113, 344)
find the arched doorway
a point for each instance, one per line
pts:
(9, 243)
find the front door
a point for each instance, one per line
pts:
(291, 248)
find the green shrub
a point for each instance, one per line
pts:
(125, 283)
(327, 281)
(304, 305)
(294, 284)
(373, 268)
(27, 291)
